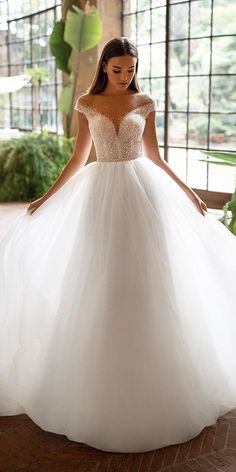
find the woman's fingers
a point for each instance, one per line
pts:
(200, 205)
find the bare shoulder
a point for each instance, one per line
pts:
(147, 98)
(86, 99)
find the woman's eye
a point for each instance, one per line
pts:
(118, 71)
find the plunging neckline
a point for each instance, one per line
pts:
(117, 131)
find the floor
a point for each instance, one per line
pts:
(25, 447)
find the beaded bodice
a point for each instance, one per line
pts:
(116, 138)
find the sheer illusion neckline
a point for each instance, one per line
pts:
(123, 116)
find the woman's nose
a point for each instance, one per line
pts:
(124, 76)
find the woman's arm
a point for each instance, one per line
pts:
(151, 150)
(78, 159)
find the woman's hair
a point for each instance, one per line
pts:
(115, 47)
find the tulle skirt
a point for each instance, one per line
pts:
(118, 311)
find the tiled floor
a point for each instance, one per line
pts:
(25, 447)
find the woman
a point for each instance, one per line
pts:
(118, 295)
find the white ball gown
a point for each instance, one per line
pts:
(118, 303)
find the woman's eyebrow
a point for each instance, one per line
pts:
(118, 67)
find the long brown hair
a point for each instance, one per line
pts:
(115, 47)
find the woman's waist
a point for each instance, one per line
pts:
(117, 159)
(117, 151)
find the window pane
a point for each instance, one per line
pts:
(158, 59)
(144, 85)
(223, 55)
(223, 94)
(178, 58)
(143, 20)
(158, 3)
(5, 111)
(223, 132)
(143, 4)
(200, 18)
(224, 14)
(29, 47)
(3, 55)
(129, 26)
(198, 94)
(198, 130)
(129, 6)
(3, 70)
(200, 56)
(197, 170)
(179, 21)
(3, 10)
(201, 79)
(177, 161)
(177, 129)
(178, 93)
(177, 1)
(144, 61)
(160, 126)
(221, 178)
(158, 24)
(158, 90)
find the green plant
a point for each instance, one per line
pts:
(81, 30)
(30, 164)
(225, 159)
(38, 75)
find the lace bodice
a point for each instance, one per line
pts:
(116, 138)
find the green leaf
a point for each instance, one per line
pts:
(224, 156)
(221, 163)
(66, 97)
(82, 30)
(59, 48)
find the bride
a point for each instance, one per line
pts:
(117, 295)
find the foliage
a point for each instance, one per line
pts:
(229, 216)
(60, 48)
(38, 74)
(30, 164)
(66, 98)
(81, 30)
(225, 159)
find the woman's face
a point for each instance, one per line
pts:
(120, 71)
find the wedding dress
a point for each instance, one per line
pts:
(118, 303)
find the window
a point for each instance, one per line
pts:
(186, 50)
(25, 28)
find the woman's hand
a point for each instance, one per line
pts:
(34, 205)
(201, 206)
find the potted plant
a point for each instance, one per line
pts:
(81, 30)
(225, 159)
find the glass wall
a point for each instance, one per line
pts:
(25, 28)
(187, 50)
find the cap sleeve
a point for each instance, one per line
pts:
(151, 106)
(79, 106)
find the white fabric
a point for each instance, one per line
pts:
(13, 83)
(118, 310)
